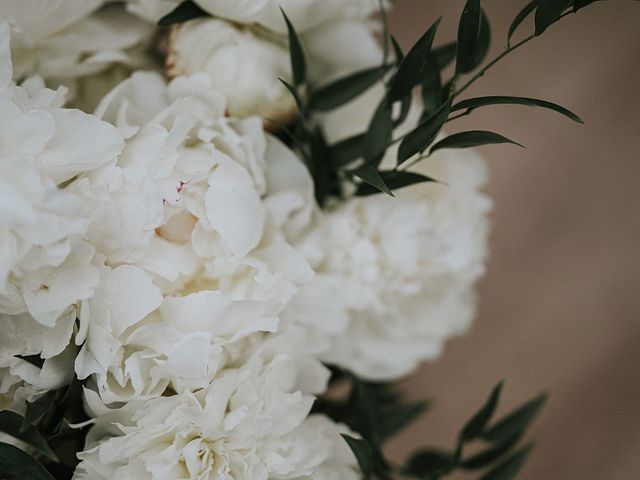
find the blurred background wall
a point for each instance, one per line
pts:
(560, 306)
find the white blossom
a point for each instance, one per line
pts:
(192, 228)
(249, 423)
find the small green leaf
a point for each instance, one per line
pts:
(516, 422)
(548, 12)
(473, 138)
(421, 137)
(473, 103)
(489, 455)
(431, 88)
(508, 469)
(378, 135)
(11, 424)
(294, 93)
(397, 50)
(346, 151)
(474, 37)
(396, 179)
(370, 175)
(37, 409)
(345, 89)
(521, 17)
(298, 61)
(410, 71)
(363, 453)
(445, 54)
(320, 166)
(476, 424)
(429, 463)
(18, 465)
(185, 11)
(396, 419)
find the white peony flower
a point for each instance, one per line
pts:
(75, 43)
(251, 86)
(400, 271)
(304, 14)
(249, 423)
(192, 228)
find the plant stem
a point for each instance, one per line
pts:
(484, 70)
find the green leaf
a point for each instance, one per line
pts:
(516, 422)
(185, 11)
(37, 409)
(346, 151)
(445, 54)
(476, 424)
(11, 423)
(397, 50)
(378, 135)
(345, 89)
(474, 37)
(298, 61)
(320, 164)
(579, 4)
(508, 469)
(405, 108)
(548, 12)
(410, 71)
(370, 175)
(489, 455)
(294, 93)
(429, 463)
(473, 103)
(363, 453)
(521, 17)
(17, 465)
(473, 138)
(421, 137)
(431, 87)
(395, 420)
(396, 179)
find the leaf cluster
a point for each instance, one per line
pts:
(42, 429)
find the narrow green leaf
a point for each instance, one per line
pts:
(429, 463)
(363, 453)
(396, 179)
(405, 108)
(488, 456)
(421, 137)
(431, 88)
(345, 89)
(508, 469)
(320, 164)
(346, 151)
(18, 465)
(445, 54)
(521, 17)
(370, 175)
(410, 70)
(473, 103)
(476, 424)
(397, 50)
(516, 422)
(474, 37)
(11, 424)
(548, 12)
(378, 135)
(298, 61)
(185, 11)
(395, 420)
(37, 409)
(294, 93)
(473, 138)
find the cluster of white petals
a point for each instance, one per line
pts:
(252, 422)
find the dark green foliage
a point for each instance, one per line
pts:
(185, 11)
(474, 37)
(296, 52)
(472, 103)
(473, 138)
(344, 89)
(394, 180)
(12, 424)
(18, 465)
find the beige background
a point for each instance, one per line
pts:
(560, 306)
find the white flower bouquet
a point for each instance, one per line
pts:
(198, 255)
